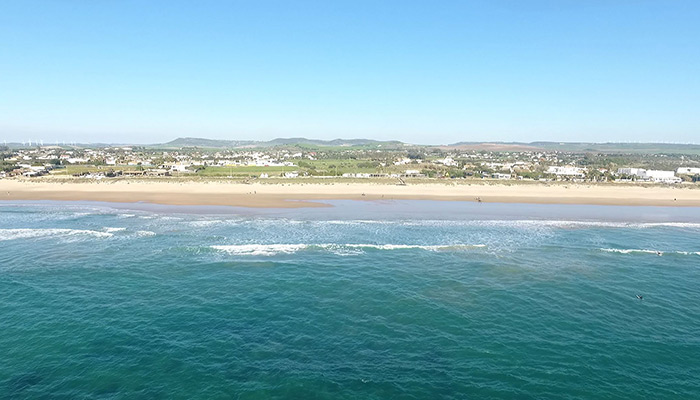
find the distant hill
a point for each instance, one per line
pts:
(573, 147)
(491, 146)
(646, 148)
(334, 142)
(212, 143)
(207, 143)
(581, 147)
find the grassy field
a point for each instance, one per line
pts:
(324, 167)
(253, 171)
(81, 169)
(311, 167)
(339, 166)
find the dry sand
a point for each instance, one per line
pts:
(305, 194)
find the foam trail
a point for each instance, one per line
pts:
(112, 230)
(260, 249)
(515, 223)
(413, 246)
(25, 233)
(340, 249)
(647, 251)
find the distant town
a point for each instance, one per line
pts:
(305, 159)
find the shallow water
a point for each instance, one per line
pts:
(365, 300)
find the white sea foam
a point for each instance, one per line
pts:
(112, 230)
(514, 223)
(340, 249)
(657, 252)
(13, 234)
(628, 251)
(359, 222)
(261, 249)
(205, 223)
(414, 246)
(691, 225)
(145, 233)
(583, 224)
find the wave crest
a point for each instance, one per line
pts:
(340, 249)
(27, 233)
(647, 251)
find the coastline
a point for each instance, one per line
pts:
(306, 194)
(303, 194)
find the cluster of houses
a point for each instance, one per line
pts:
(32, 162)
(658, 176)
(409, 173)
(27, 170)
(38, 161)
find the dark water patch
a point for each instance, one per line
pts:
(21, 383)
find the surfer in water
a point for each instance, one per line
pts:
(658, 253)
(640, 297)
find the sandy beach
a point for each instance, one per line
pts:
(306, 194)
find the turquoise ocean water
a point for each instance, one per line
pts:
(364, 300)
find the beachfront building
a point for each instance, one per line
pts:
(630, 171)
(688, 171)
(567, 171)
(179, 167)
(662, 176)
(498, 175)
(357, 175)
(650, 175)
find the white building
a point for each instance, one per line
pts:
(179, 167)
(566, 171)
(76, 160)
(661, 176)
(498, 175)
(651, 175)
(630, 171)
(687, 171)
(447, 161)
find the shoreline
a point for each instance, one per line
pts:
(305, 194)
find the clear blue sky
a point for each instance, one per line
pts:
(421, 72)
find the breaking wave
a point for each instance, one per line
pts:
(648, 251)
(510, 223)
(112, 230)
(13, 234)
(340, 249)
